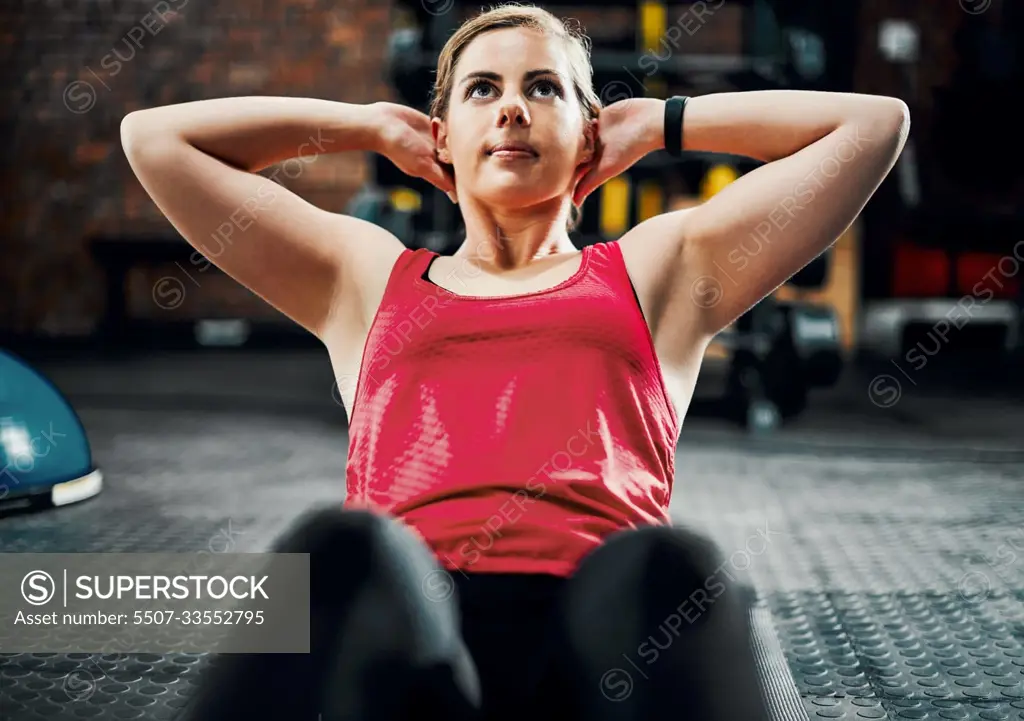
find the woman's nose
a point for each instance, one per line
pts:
(513, 113)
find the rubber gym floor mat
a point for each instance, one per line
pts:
(895, 584)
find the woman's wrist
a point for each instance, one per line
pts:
(359, 127)
(652, 124)
(388, 125)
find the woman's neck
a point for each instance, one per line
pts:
(509, 241)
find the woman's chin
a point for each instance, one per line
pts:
(515, 192)
(510, 200)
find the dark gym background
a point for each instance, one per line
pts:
(869, 413)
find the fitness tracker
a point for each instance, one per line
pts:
(674, 108)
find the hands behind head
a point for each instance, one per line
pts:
(405, 138)
(626, 131)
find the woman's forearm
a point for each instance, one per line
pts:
(253, 133)
(772, 124)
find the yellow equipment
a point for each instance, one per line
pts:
(717, 178)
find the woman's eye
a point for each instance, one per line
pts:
(473, 88)
(549, 85)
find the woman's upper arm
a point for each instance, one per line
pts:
(722, 257)
(306, 262)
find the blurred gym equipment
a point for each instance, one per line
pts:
(45, 458)
(937, 232)
(120, 333)
(780, 351)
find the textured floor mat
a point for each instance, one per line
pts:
(895, 582)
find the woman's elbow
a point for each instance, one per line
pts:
(882, 126)
(894, 124)
(887, 115)
(129, 131)
(142, 132)
(135, 127)
(897, 115)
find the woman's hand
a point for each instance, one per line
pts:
(626, 131)
(406, 140)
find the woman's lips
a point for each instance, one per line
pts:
(513, 154)
(513, 149)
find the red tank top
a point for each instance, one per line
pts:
(514, 434)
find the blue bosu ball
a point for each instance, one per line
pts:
(44, 451)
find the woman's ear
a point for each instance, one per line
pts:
(440, 133)
(441, 152)
(589, 142)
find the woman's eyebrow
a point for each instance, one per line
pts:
(488, 75)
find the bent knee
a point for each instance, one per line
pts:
(340, 535)
(668, 557)
(659, 547)
(348, 548)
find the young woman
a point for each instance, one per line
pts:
(506, 548)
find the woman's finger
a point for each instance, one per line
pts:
(587, 184)
(582, 172)
(436, 176)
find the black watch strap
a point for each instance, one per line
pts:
(674, 108)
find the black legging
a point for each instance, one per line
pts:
(651, 626)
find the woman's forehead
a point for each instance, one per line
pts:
(511, 53)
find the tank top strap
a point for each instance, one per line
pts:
(606, 261)
(411, 264)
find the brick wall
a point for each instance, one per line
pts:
(80, 67)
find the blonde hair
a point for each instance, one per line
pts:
(514, 15)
